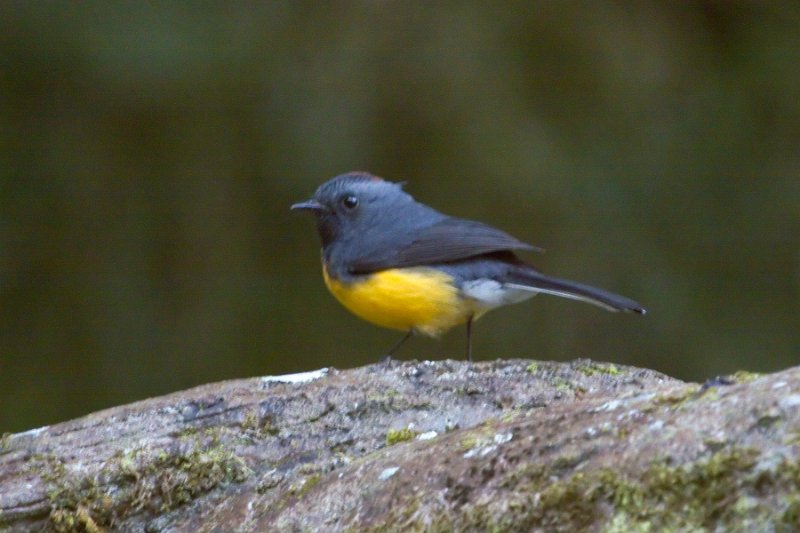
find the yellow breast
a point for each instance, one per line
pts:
(422, 299)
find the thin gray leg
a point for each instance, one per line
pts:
(469, 339)
(388, 356)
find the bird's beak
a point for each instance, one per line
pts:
(311, 205)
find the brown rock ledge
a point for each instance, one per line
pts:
(509, 445)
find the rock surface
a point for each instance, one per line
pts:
(504, 445)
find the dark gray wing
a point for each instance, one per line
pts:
(448, 240)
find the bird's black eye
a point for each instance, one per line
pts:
(349, 201)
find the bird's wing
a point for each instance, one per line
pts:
(448, 240)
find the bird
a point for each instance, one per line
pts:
(400, 264)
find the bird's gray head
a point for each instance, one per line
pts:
(355, 204)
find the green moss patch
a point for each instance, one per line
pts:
(393, 436)
(727, 491)
(691, 497)
(139, 480)
(590, 368)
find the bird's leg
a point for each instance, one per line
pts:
(388, 357)
(469, 339)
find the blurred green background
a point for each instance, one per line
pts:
(150, 152)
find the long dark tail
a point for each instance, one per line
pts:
(529, 278)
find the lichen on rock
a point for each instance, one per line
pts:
(508, 445)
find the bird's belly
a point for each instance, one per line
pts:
(489, 293)
(421, 299)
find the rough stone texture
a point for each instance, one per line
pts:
(505, 445)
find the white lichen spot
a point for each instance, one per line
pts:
(300, 377)
(30, 432)
(388, 472)
(779, 384)
(646, 396)
(629, 415)
(428, 435)
(789, 402)
(502, 438)
(611, 405)
(489, 449)
(479, 451)
(770, 462)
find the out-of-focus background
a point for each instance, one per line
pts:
(150, 152)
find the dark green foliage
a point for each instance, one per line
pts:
(150, 153)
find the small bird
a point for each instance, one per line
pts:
(402, 265)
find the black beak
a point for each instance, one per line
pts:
(311, 205)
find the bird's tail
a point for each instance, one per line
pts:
(530, 279)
